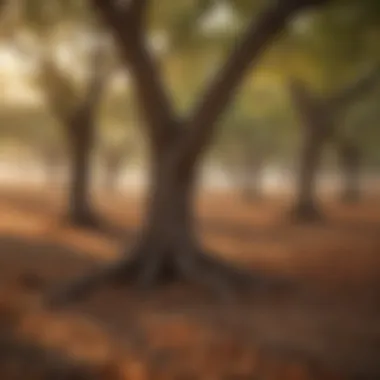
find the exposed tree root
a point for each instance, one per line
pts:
(88, 220)
(148, 269)
(306, 213)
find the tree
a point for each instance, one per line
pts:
(168, 247)
(48, 24)
(78, 118)
(361, 128)
(318, 118)
(323, 52)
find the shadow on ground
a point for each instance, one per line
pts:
(176, 333)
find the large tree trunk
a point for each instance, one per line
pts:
(350, 163)
(169, 224)
(81, 141)
(168, 248)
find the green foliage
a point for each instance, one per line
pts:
(328, 48)
(336, 42)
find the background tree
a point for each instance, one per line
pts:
(79, 122)
(328, 42)
(73, 103)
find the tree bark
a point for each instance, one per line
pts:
(316, 125)
(80, 128)
(81, 142)
(317, 117)
(306, 208)
(350, 163)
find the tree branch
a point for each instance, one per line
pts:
(99, 74)
(154, 101)
(137, 10)
(258, 36)
(352, 92)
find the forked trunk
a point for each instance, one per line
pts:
(168, 244)
(79, 208)
(350, 163)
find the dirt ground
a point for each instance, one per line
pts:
(325, 327)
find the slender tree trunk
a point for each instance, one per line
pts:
(315, 119)
(306, 208)
(112, 168)
(252, 183)
(111, 177)
(81, 143)
(52, 170)
(350, 163)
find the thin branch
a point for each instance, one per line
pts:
(260, 33)
(153, 99)
(99, 75)
(352, 92)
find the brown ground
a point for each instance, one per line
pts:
(327, 327)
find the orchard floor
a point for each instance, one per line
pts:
(326, 327)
